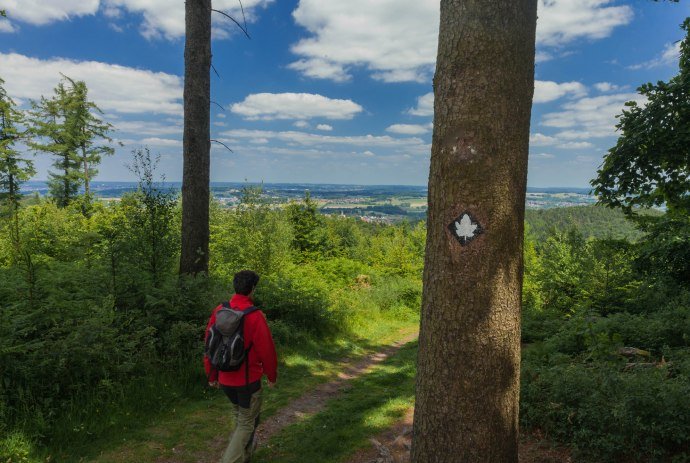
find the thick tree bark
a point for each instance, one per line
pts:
(196, 139)
(469, 348)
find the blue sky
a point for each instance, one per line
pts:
(330, 91)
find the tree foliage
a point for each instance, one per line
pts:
(66, 126)
(14, 168)
(49, 128)
(86, 130)
(650, 164)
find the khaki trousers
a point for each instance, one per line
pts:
(241, 445)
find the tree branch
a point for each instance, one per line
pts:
(221, 143)
(244, 29)
(215, 70)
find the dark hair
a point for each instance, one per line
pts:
(245, 281)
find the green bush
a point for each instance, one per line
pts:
(298, 298)
(608, 412)
(398, 294)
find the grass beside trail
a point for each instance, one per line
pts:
(189, 425)
(373, 403)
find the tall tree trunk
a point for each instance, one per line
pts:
(87, 179)
(12, 186)
(196, 139)
(66, 182)
(469, 348)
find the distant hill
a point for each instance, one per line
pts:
(592, 221)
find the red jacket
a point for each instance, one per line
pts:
(262, 354)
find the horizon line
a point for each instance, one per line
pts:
(309, 183)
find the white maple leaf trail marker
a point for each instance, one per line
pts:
(465, 228)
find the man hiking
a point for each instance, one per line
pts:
(241, 381)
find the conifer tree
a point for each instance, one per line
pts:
(85, 129)
(307, 224)
(196, 139)
(47, 119)
(14, 169)
(67, 126)
(468, 367)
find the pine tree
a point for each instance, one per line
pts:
(14, 169)
(196, 139)
(85, 129)
(48, 124)
(308, 225)
(67, 126)
(466, 407)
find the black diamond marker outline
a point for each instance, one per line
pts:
(464, 241)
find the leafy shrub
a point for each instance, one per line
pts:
(607, 412)
(300, 299)
(340, 272)
(396, 293)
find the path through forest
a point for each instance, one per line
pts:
(390, 446)
(310, 403)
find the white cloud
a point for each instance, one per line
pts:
(591, 117)
(165, 142)
(545, 91)
(425, 106)
(220, 115)
(6, 26)
(562, 21)
(539, 139)
(151, 128)
(324, 127)
(40, 12)
(112, 12)
(542, 56)
(409, 129)
(310, 139)
(584, 159)
(302, 124)
(542, 155)
(606, 87)
(115, 27)
(161, 18)
(574, 145)
(320, 69)
(669, 56)
(341, 34)
(112, 87)
(269, 106)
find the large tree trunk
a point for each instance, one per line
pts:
(87, 178)
(469, 348)
(196, 139)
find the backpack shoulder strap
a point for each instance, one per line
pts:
(249, 310)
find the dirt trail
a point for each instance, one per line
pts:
(310, 403)
(393, 446)
(315, 400)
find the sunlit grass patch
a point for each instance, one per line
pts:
(373, 403)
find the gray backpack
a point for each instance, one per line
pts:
(225, 342)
